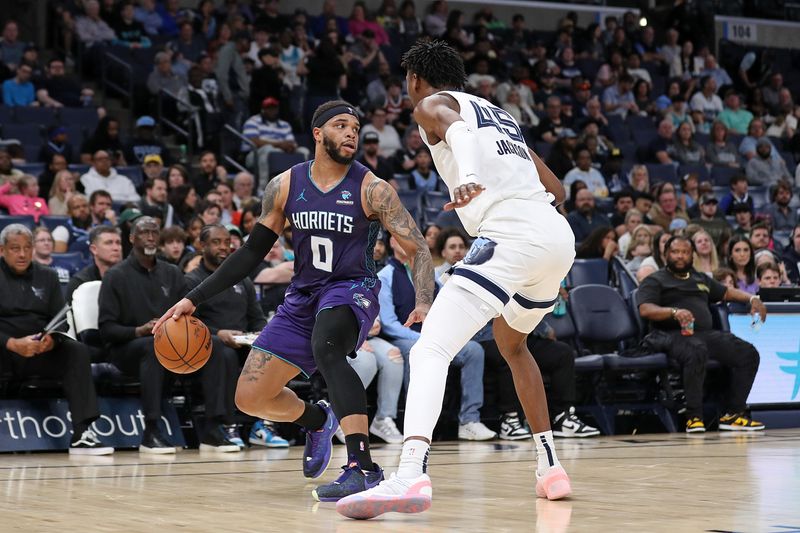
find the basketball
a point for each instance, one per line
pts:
(183, 346)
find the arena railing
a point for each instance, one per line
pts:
(177, 107)
(123, 85)
(239, 139)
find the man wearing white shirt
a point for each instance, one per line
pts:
(103, 176)
(388, 138)
(584, 172)
(706, 100)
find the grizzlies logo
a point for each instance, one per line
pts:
(481, 251)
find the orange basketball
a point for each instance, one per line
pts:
(183, 346)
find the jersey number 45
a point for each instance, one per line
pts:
(499, 119)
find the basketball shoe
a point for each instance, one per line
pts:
(475, 431)
(232, 431)
(319, 445)
(351, 481)
(512, 429)
(738, 422)
(263, 434)
(89, 444)
(695, 425)
(216, 440)
(567, 424)
(553, 484)
(392, 495)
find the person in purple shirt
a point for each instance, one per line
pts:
(334, 206)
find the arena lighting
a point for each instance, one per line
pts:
(643, 22)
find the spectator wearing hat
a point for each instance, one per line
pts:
(125, 222)
(152, 166)
(18, 91)
(144, 142)
(585, 172)
(763, 169)
(371, 158)
(57, 143)
(782, 216)
(710, 220)
(102, 176)
(269, 134)
(155, 195)
(618, 99)
(554, 124)
(737, 194)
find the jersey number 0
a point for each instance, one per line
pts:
(322, 253)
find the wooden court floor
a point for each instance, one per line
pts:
(676, 483)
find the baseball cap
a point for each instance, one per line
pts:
(146, 121)
(678, 223)
(129, 215)
(567, 133)
(269, 101)
(232, 228)
(153, 158)
(708, 199)
(370, 137)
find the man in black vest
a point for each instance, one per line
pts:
(31, 299)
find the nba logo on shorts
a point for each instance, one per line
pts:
(361, 301)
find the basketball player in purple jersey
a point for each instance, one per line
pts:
(335, 207)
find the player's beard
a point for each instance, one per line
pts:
(333, 151)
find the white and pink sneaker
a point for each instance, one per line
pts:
(554, 484)
(394, 495)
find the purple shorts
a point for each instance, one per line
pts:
(288, 335)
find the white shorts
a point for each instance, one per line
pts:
(519, 279)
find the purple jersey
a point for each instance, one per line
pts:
(332, 237)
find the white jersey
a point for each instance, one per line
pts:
(506, 169)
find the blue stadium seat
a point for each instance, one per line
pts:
(25, 220)
(403, 181)
(80, 168)
(71, 261)
(721, 176)
(618, 132)
(588, 271)
(34, 169)
(42, 116)
(429, 214)
(6, 114)
(623, 279)
(435, 199)
(662, 173)
(29, 136)
(280, 161)
(639, 124)
(85, 117)
(133, 173)
(51, 222)
(410, 199)
(542, 149)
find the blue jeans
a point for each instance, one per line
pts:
(470, 361)
(389, 370)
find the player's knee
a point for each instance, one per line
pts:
(246, 399)
(429, 348)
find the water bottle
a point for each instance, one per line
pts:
(184, 159)
(560, 308)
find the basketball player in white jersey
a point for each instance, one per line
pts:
(503, 194)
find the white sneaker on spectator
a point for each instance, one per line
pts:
(567, 424)
(512, 429)
(385, 428)
(89, 444)
(475, 431)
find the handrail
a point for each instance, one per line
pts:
(231, 130)
(181, 104)
(108, 59)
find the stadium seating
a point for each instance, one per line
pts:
(280, 161)
(51, 222)
(587, 271)
(25, 220)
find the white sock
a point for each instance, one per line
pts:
(545, 451)
(413, 459)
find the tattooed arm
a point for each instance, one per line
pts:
(246, 258)
(381, 201)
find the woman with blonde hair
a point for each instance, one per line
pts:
(60, 192)
(639, 178)
(705, 253)
(639, 247)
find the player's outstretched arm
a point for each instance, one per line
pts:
(245, 259)
(383, 202)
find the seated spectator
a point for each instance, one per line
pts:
(638, 248)
(618, 99)
(18, 91)
(101, 208)
(791, 256)
(631, 220)
(152, 167)
(666, 208)
(130, 32)
(689, 191)
(397, 301)
(737, 195)
(273, 275)
(742, 261)
(726, 277)
(705, 259)
(744, 220)
(675, 301)
(55, 163)
(106, 138)
(763, 169)
(657, 260)
(243, 185)
(685, 150)
(172, 245)
(584, 171)
(11, 48)
(144, 142)
(25, 352)
(57, 89)
(659, 149)
(146, 14)
(639, 179)
(643, 201)
(520, 110)
(451, 245)
(379, 357)
(556, 359)
(706, 99)
(209, 212)
(769, 276)
(711, 222)
(389, 139)
(90, 28)
(616, 177)
(188, 47)
(555, 124)
(57, 143)
(209, 119)
(720, 151)
(677, 111)
(733, 116)
(102, 176)
(761, 238)
(155, 195)
(424, 177)
(229, 213)
(74, 235)
(105, 245)
(126, 322)
(371, 158)
(269, 134)
(638, 73)
(183, 199)
(642, 97)
(755, 132)
(43, 253)
(585, 218)
(233, 312)
(720, 75)
(358, 24)
(562, 156)
(781, 215)
(785, 124)
(210, 173)
(26, 201)
(177, 175)
(601, 243)
(62, 190)
(162, 77)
